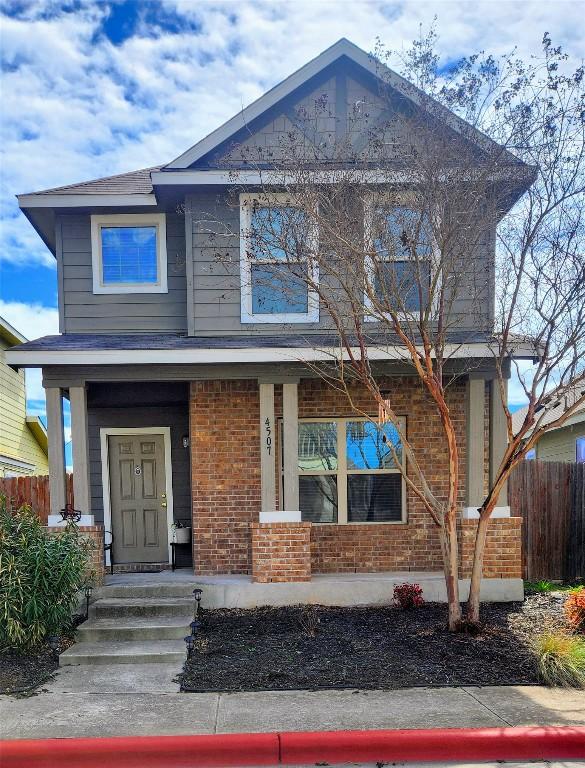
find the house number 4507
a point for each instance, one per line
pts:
(268, 431)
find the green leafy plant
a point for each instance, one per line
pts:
(40, 574)
(561, 659)
(539, 586)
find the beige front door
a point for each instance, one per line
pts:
(138, 498)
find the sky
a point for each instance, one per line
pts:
(90, 89)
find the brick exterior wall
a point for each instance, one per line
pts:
(95, 534)
(281, 551)
(503, 551)
(225, 455)
(413, 545)
(224, 419)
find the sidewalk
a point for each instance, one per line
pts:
(134, 700)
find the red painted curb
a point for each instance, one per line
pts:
(247, 749)
(241, 749)
(450, 744)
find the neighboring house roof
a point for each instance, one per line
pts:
(556, 406)
(10, 334)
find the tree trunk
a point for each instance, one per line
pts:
(449, 546)
(477, 569)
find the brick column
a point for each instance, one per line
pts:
(95, 533)
(281, 552)
(503, 549)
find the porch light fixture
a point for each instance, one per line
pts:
(190, 643)
(88, 590)
(197, 595)
(53, 643)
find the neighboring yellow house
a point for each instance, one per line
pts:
(23, 439)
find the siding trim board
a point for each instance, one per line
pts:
(24, 358)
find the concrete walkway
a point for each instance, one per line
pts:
(142, 699)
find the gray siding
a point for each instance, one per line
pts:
(84, 312)
(148, 405)
(215, 303)
(560, 444)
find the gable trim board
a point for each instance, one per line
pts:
(39, 200)
(342, 48)
(106, 432)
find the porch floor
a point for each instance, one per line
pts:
(342, 589)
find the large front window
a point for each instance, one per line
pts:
(275, 265)
(349, 473)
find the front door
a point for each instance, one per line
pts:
(138, 498)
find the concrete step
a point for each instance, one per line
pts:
(117, 607)
(148, 590)
(134, 628)
(148, 651)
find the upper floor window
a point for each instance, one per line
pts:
(129, 253)
(399, 268)
(275, 265)
(580, 450)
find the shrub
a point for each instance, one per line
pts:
(40, 573)
(408, 596)
(575, 608)
(561, 659)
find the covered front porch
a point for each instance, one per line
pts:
(333, 589)
(228, 442)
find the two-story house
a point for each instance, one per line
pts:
(191, 401)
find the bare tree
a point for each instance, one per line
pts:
(388, 224)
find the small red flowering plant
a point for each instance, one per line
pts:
(408, 596)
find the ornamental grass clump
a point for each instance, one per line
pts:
(575, 609)
(561, 659)
(40, 575)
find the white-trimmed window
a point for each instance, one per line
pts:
(347, 472)
(402, 259)
(129, 253)
(580, 450)
(276, 242)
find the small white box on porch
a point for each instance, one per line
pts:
(280, 516)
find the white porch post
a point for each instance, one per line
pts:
(80, 449)
(475, 435)
(290, 435)
(56, 440)
(267, 448)
(498, 439)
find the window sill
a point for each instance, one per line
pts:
(128, 289)
(310, 317)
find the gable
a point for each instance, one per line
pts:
(359, 89)
(345, 115)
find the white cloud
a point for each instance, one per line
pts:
(32, 320)
(77, 107)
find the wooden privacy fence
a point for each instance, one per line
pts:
(33, 490)
(550, 498)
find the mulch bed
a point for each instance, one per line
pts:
(22, 672)
(367, 648)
